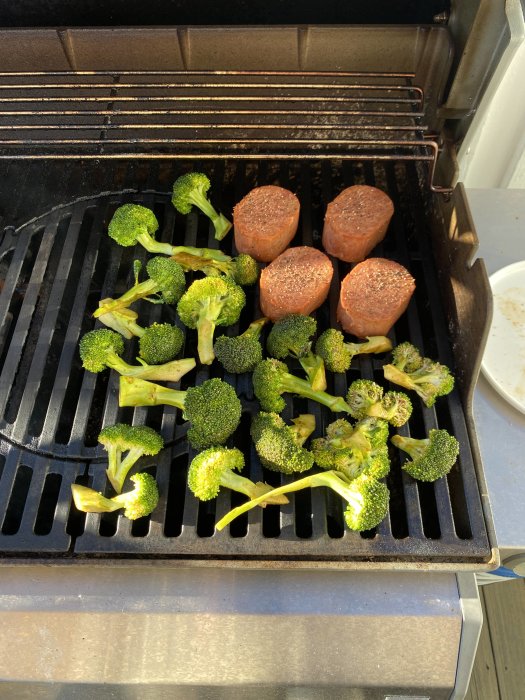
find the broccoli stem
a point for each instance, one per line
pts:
(314, 368)
(413, 447)
(295, 385)
(122, 321)
(187, 254)
(118, 471)
(90, 501)
(374, 344)
(205, 331)
(143, 290)
(303, 426)
(168, 372)
(220, 222)
(255, 328)
(237, 482)
(329, 478)
(137, 392)
(396, 376)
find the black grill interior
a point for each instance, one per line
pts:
(56, 267)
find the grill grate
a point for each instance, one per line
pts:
(60, 264)
(215, 114)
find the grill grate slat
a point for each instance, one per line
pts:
(444, 524)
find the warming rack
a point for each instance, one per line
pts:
(295, 115)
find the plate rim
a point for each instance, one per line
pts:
(494, 279)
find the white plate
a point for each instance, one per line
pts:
(504, 359)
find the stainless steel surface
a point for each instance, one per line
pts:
(223, 631)
(499, 216)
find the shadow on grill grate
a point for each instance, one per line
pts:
(59, 265)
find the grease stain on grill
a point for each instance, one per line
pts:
(426, 523)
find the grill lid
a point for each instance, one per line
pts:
(59, 265)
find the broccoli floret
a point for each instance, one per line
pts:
(243, 269)
(427, 378)
(432, 457)
(133, 223)
(213, 468)
(102, 348)
(291, 337)
(366, 498)
(166, 284)
(280, 446)
(243, 352)
(271, 379)
(158, 343)
(365, 398)
(190, 190)
(135, 441)
(212, 408)
(139, 502)
(210, 302)
(361, 449)
(337, 354)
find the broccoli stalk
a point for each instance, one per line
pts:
(243, 352)
(158, 343)
(337, 354)
(133, 440)
(243, 269)
(213, 468)
(133, 223)
(291, 337)
(207, 303)
(139, 502)
(365, 398)
(166, 284)
(213, 408)
(366, 498)
(432, 457)
(280, 446)
(271, 379)
(190, 190)
(354, 450)
(102, 348)
(410, 370)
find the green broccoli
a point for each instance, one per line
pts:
(243, 352)
(213, 468)
(361, 449)
(280, 446)
(135, 441)
(213, 408)
(365, 398)
(158, 343)
(432, 457)
(410, 370)
(271, 379)
(190, 190)
(207, 303)
(243, 269)
(102, 348)
(337, 354)
(366, 498)
(133, 223)
(291, 336)
(166, 284)
(139, 502)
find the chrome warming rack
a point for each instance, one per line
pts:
(293, 115)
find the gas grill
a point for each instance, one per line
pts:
(89, 122)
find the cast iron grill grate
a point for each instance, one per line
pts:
(57, 267)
